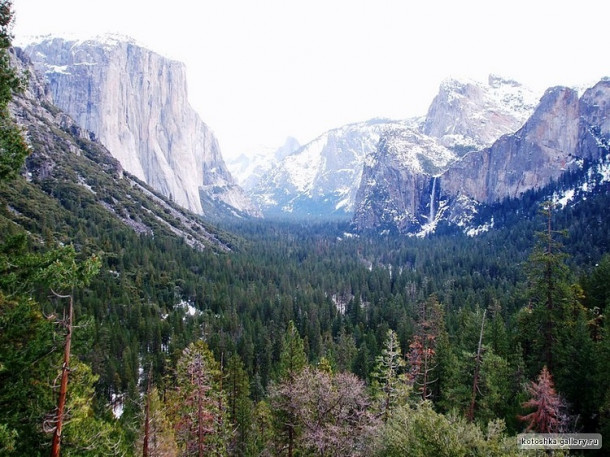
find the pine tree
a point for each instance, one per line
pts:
(26, 340)
(422, 357)
(159, 440)
(345, 351)
(423, 432)
(261, 441)
(477, 371)
(549, 291)
(13, 149)
(66, 274)
(292, 357)
(237, 387)
(496, 331)
(597, 285)
(284, 399)
(388, 381)
(85, 433)
(198, 404)
(23, 272)
(24, 334)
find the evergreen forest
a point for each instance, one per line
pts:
(292, 339)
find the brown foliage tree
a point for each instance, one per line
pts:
(547, 416)
(421, 357)
(199, 406)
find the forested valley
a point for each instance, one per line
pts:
(304, 340)
(293, 339)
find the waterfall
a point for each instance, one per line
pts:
(431, 217)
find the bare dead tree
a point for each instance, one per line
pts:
(477, 372)
(65, 370)
(147, 416)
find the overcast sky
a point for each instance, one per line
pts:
(260, 70)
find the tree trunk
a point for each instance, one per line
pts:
(477, 370)
(200, 422)
(549, 298)
(147, 418)
(63, 389)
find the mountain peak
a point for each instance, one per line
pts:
(401, 191)
(291, 145)
(471, 114)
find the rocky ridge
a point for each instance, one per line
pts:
(248, 170)
(322, 177)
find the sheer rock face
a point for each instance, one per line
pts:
(400, 187)
(397, 181)
(530, 158)
(135, 101)
(69, 165)
(562, 131)
(405, 187)
(594, 120)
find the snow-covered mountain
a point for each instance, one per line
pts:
(467, 114)
(249, 169)
(399, 183)
(135, 101)
(323, 177)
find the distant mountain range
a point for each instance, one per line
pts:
(248, 170)
(479, 143)
(405, 190)
(323, 177)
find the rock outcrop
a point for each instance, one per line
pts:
(135, 101)
(467, 115)
(396, 178)
(540, 151)
(400, 188)
(248, 170)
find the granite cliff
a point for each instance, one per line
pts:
(406, 189)
(72, 181)
(135, 102)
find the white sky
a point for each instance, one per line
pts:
(260, 70)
